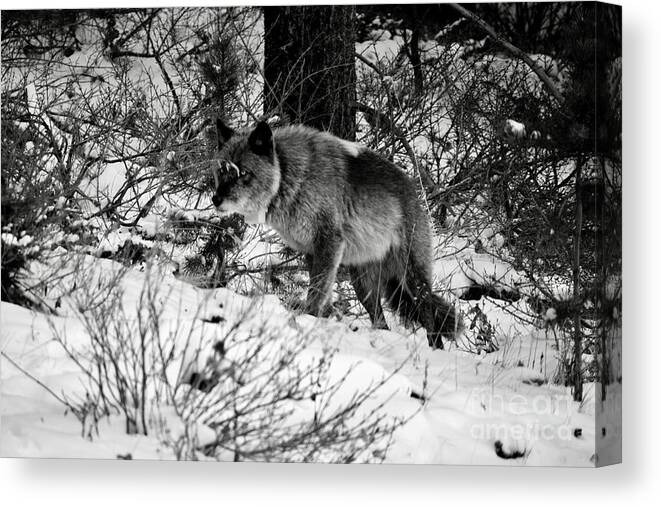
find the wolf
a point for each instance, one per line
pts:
(340, 204)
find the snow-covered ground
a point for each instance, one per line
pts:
(457, 407)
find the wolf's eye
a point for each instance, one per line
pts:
(246, 177)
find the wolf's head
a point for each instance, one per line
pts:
(246, 171)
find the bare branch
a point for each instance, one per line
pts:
(513, 50)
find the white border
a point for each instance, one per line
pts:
(636, 482)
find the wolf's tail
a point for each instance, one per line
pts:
(414, 300)
(445, 321)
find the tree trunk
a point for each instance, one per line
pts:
(577, 373)
(414, 53)
(309, 66)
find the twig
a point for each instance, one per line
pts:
(35, 379)
(381, 120)
(514, 50)
(370, 64)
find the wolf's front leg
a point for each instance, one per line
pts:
(323, 265)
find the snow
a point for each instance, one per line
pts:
(550, 315)
(262, 249)
(116, 239)
(470, 401)
(9, 239)
(384, 51)
(459, 267)
(152, 225)
(514, 130)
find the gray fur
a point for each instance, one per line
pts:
(340, 204)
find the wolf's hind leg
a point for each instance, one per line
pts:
(366, 283)
(415, 302)
(323, 266)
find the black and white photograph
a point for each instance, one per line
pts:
(380, 234)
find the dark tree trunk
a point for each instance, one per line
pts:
(577, 373)
(309, 66)
(418, 79)
(414, 52)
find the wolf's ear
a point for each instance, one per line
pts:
(225, 132)
(261, 139)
